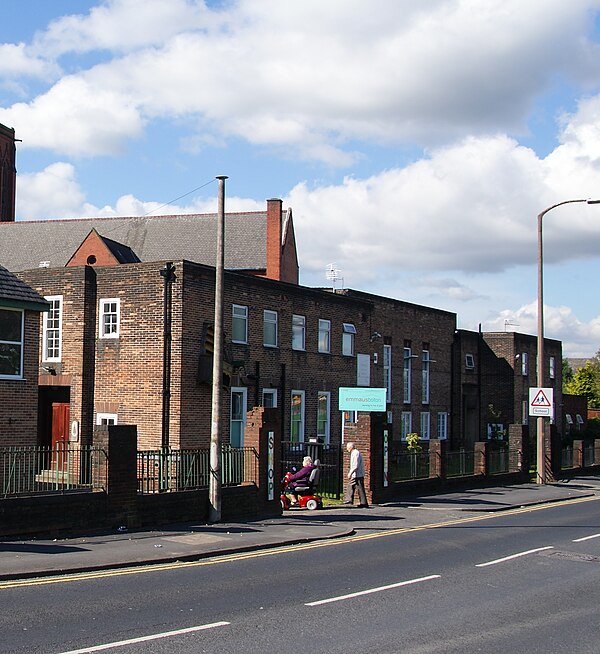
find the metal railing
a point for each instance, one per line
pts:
(498, 459)
(566, 458)
(589, 454)
(403, 465)
(35, 469)
(175, 470)
(459, 463)
(330, 464)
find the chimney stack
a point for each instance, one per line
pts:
(8, 174)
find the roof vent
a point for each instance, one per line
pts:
(44, 264)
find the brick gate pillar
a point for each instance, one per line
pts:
(437, 458)
(263, 433)
(480, 458)
(120, 444)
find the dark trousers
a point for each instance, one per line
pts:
(358, 483)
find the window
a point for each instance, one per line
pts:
(552, 368)
(297, 417)
(269, 328)
(106, 418)
(11, 343)
(442, 426)
(109, 318)
(348, 333)
(469, 361)
(524, 364)
(237, 422)
(269, 396)
(52, 329)
(406, 424)
(525, 412)
(387, 372)
(323, 412)
(325, 336)
(407, 373)
(298, 332)
(239, 324)
(425, 425)
(425, 375)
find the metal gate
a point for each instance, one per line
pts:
(330, 457)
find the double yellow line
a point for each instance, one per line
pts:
(227, 558)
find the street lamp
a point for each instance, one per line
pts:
(541, 448)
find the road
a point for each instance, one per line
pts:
(521, 581)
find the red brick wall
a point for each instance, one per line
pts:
(19, 398)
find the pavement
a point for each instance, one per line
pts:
(38, 557)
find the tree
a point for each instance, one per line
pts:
(567, 372)
(586, 381)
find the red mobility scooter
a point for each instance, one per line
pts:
(307, 498)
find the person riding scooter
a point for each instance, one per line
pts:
(299, 478)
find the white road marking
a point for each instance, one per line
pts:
(372, 590)
(579, 540)
(142, 639)
(513, 556)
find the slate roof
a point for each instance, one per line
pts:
(16, 293)
(24, 245)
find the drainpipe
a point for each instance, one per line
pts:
(168, 274)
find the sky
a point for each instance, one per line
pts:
(415, 141)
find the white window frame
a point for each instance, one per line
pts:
(19, 344)
(387, 372)
(442, 430)
(525, 412)
(524, 364)
(243, 391)
(301, 422)
(425, 425)
(239, 316)
(469, 361)
(552, 367)
(298, 332)
(425, 377)
(407, 374)
(270, 321)
(107, 419)
(324, 433)
(324, 344)
(271, 392)
(102, 312)
(56, 302)
(405, 424)
(348, 339)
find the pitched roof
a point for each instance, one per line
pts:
(16, 293)
(25, 245)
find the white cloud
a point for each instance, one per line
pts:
(304, 74)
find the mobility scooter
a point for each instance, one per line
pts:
(307, 498)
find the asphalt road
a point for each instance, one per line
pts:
(520, 581)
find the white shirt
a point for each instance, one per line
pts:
(357, 467)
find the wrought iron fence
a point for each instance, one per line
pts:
(174, 470)
(329, 456)
(566, 458)
(498, 459)
(589, 454)
(403, 464)
(460, 463)
(34, 469)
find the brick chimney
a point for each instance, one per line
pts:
(8, 174)
(274, 236)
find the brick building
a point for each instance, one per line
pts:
(287, 346)
(493, 374)
(20, 307)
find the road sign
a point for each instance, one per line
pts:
(541, 402)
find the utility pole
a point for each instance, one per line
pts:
(214, 489)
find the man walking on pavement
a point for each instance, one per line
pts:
(356, 477)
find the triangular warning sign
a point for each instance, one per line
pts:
(540, 399)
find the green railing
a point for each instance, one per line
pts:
(174, 470)
(32, 470)
(460, 463)
(405, 465)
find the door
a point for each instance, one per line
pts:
(60, 433)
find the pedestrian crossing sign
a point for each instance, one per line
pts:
(541, 402)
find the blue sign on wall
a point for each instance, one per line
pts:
(362, 399)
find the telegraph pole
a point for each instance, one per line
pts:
(214, 489)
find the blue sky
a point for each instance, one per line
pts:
(415, 144)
